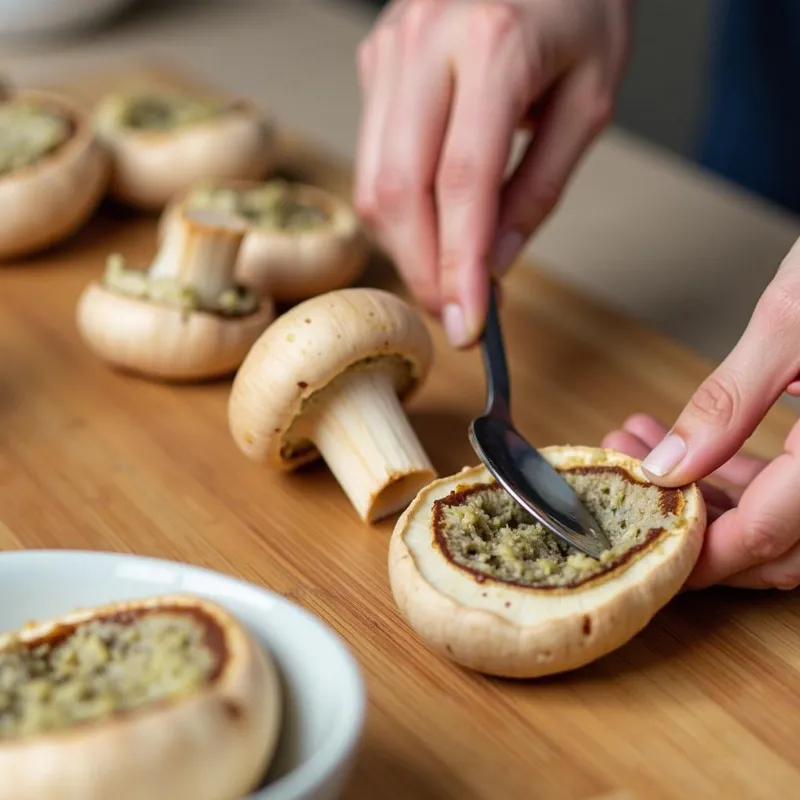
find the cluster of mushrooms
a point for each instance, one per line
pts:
(329, 377)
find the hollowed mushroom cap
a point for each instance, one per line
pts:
(308, 347)
(162, 342)
(47, 201)
(149, 167)
(215, 741)
(515, 631)
(293, 265)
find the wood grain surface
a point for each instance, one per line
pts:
(704, 703)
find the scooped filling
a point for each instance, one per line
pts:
(28, 133)
(484, 530)
(104, 667)
(274, 205)
(235, 302)
(163, 111)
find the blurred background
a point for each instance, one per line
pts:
(652, 223)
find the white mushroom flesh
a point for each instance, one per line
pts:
(102, 667)
(274, 205)
(484, 530)
(28, 133)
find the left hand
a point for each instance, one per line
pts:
(753, 536)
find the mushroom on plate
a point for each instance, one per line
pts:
(162, 141)
(329, 377)
(485, 585)
(53, 172)
(159, 697)
(185, 318)
(302, 240)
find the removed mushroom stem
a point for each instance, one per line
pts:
(200, 253)
(362, 432)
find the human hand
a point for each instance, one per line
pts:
(446, 83)
(753, 539)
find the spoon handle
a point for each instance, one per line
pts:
(498, 385)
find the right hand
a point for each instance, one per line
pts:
(446, 83)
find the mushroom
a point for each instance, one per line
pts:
(162, 141)
(485, 585)
(53, 172)
(183, 319)
(329, 377)
(165, 697)
(302, 240)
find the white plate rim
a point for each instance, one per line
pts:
(340, 745)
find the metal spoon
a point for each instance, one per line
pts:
(516, 465)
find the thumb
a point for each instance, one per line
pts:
(729, 405)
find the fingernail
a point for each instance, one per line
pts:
(505, 251)
(455, 325)
(666, 455)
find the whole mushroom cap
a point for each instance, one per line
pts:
(307, 348)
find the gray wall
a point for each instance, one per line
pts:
(663, 93)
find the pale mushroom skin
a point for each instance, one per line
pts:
(157, 159)
(290, 263)
(517, 631)
(45, 201)
(214, 743)
(329, 378)
(164, 339)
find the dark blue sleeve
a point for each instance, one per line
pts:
(752, 125)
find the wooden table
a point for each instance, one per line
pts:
(703, 703)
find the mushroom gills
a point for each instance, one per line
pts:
(103, 667)
(272, 205)
(484, 530)
(28, 133)
(358, 424)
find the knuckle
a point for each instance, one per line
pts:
(458, 176)
(542, 196)
(365, 205)
(780, 305)
(492, 22)
(765, 540)
(417, 17)
(601, 112)
(365, 56)
(392, 188)
(716, 401)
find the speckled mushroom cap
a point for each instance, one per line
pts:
(512, 630)
(307, 348)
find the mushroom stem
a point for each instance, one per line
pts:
(362, 432)
(200, 252)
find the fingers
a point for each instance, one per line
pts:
(493, 90)
(395, 187)
(784, 573)
(762, 529)
(729, 405)
(579, 109)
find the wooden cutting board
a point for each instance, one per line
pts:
(704, 703)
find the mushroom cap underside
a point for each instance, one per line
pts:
(309, 346)
(512, 630)
(214, 742)
(165, 342)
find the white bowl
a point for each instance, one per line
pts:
(324, 690)
(35, 17)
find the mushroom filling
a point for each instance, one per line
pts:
(103, 667)
(164, 111)
(484, 530)
(274, 205)
(28, 133)
(236, 302)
